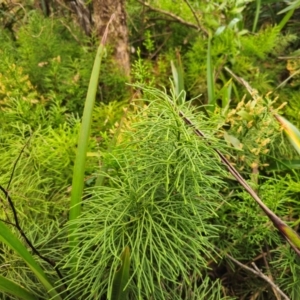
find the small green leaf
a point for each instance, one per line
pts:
(292, 236)
(245, 115)
(119, 289)
(10, 287)
(225, 95)
(284, 164)
(220, 30)
(177, 72)
(233, 22)
(291, 131)
(233, 141)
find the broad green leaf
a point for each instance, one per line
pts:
(291, 131)
(10, 287)
(225, 95)
(119, 289)
(233, 22)
(7, 237)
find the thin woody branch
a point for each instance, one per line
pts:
(260, 274)
(175, 17)
(194, 13)
(287, 232)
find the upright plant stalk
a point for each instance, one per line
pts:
(257, 11)
(289, 10)
(285, 19)
(79, 167)
(210, 78)
(177, 72)
(120, 281)
(288, 233)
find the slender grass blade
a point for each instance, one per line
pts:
(119, 289)
(7, 237)
(10, 287)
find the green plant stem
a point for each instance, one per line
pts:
(210, 78)
(257, 11)
(285, 19)
(79, 167)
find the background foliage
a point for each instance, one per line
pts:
(150, 183)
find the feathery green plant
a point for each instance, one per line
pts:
(160, 200)
(164, 195)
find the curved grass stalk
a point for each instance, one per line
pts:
(7, 237)
(10, 287)
(291, 131)
(289, 10)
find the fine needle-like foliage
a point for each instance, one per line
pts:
(160, 198)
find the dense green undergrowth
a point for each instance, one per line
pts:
(150, 183)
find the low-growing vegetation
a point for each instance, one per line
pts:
(178, 182)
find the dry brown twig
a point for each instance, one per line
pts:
(270, 273)
(193, 12)
(278, 223)
(175, 17)
(256, 271)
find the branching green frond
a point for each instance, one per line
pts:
(161, 202)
